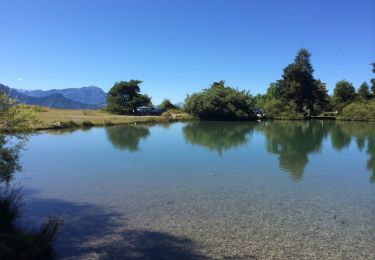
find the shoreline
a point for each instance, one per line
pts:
(55, 119)
(50, 119)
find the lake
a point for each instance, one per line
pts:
(206, 190)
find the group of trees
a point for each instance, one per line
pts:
(354, 105)
(298, 94)
(125, 96)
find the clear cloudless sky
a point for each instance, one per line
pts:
(179, 47)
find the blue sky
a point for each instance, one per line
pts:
(179, 47)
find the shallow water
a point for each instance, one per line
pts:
(208, 190)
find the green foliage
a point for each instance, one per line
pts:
(9, 156)
(343, 93)
(364, 91)
(277, 109)
(321, 98)
(17, 242)
(124, 97)
(359, 111)
(87, 123)
(14, 117)
(260, 101)
(220, 102)
(298, 92)
(299, 86)
(167, 105)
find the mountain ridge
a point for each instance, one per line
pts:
(88, 95)
(52, 100)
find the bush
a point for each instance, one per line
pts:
(343, 94)
(220, 102)
(87, 123)
(276, 109)
(14, 117)
(359, 111)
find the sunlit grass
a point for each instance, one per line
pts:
(62, 118)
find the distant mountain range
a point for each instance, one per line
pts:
(71, 98)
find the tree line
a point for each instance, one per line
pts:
(297, 95)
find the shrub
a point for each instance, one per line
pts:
(220, 102)
(359, 111)
(276, 109)
(87, 123)
(14, 117)
(343, 94)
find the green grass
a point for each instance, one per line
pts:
(48, 118)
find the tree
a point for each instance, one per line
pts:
(16, 242)
(124, 97)
(220, 102)
(363, 91)
(299, 86)
(14, 117)
(322, 99)
(167, 104)
(343, 93)
(373, 80)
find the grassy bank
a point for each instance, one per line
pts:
(359, 111)
(48, 118)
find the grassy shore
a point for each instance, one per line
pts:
(48, 118)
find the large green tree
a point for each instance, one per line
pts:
(364, 91)
(125, 96)
(343, 94)
(299, 86)
(220, 102)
